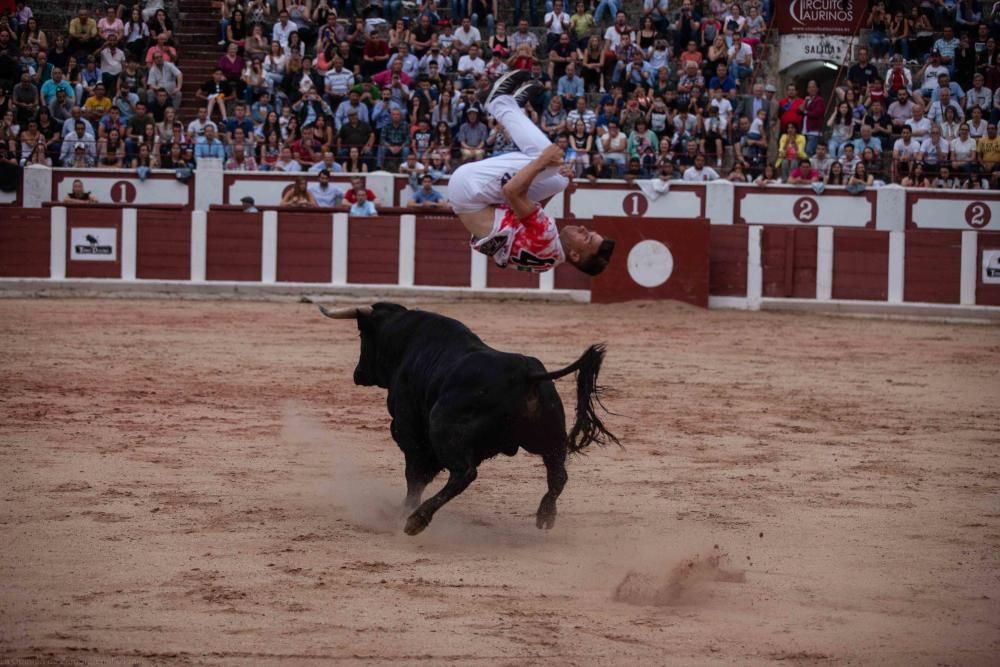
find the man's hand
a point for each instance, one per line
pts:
(552, 156)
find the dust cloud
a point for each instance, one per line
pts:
(340, 479)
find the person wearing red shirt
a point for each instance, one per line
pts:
(376, 54)
(790, 108)
(356, 184)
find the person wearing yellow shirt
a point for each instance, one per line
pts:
(791, 149)
(97, 104)
(988, 150)
(83, 33)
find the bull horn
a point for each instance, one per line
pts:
(346, 313)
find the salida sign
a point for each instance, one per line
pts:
(830, 17)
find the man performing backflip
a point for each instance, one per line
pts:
(497, 199)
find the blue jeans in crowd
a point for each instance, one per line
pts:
(740, 72)
(879, 43)
(812, 140)
(610, 7)
(531, 8)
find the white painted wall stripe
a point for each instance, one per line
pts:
(338, 270)
(407, 249)
(199, 245)
(477, 277)
(547, 280)
(57, 243)
(269, 248)
(755, 273)
(897, 250)
(130, 229)
(824, 263)
(970, 267)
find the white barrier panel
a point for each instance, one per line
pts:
(793, 206)
(124, 187)
(600, 200)
(954, 210)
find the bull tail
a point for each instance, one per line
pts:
(588, 426)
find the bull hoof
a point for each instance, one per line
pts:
(415, 524)
(546, 521)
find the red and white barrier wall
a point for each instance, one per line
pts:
(713, 244)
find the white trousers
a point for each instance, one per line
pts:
(478, 185)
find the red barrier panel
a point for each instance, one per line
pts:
(373, 251)
(568, 277)
(103, 225)
(24, 243)
(932, 266)
(305, 245)
(727, 257)
(860, 264)
(788, 262)
(233, 246)
(654, 259)
(510, 277)
(163, 245)
(988, 294)
(443, 257)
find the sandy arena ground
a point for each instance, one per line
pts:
(201, 482)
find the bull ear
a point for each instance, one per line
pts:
(346, 313)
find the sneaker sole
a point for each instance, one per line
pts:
(505, 84)
(527, 91)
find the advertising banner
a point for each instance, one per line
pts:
(829, 17)
(93, 244)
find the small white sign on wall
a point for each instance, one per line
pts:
(93, 244)
(991, 267)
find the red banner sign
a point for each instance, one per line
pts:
(829, 17)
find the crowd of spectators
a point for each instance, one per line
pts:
(329, 86)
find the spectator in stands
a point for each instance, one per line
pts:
(136, 34)
(988, 152)
(803, 174)
(80, 138)
(836, 175)
(928, 75)
(110, 25)
(472, 136)
(964, 158)
(161, 24)
(860, 179)
(916, 178)
(880, 124)
(355, 134)
(299, 196)
(791, 149)
(946, 45)
(812, 110)
(209, 145)
(323, 193)
(900, 111)
(77, 195)
(362, 207)
(83, 35)
(427, 197)
(25, 98)
(613, 147)
(215, 93)
(790, 108)
(395, 140)
(161, 46)
(934, 150)
(867, 140)
(698, 172)
(904, 152)
(164, 76)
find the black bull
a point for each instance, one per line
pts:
(456, 402)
